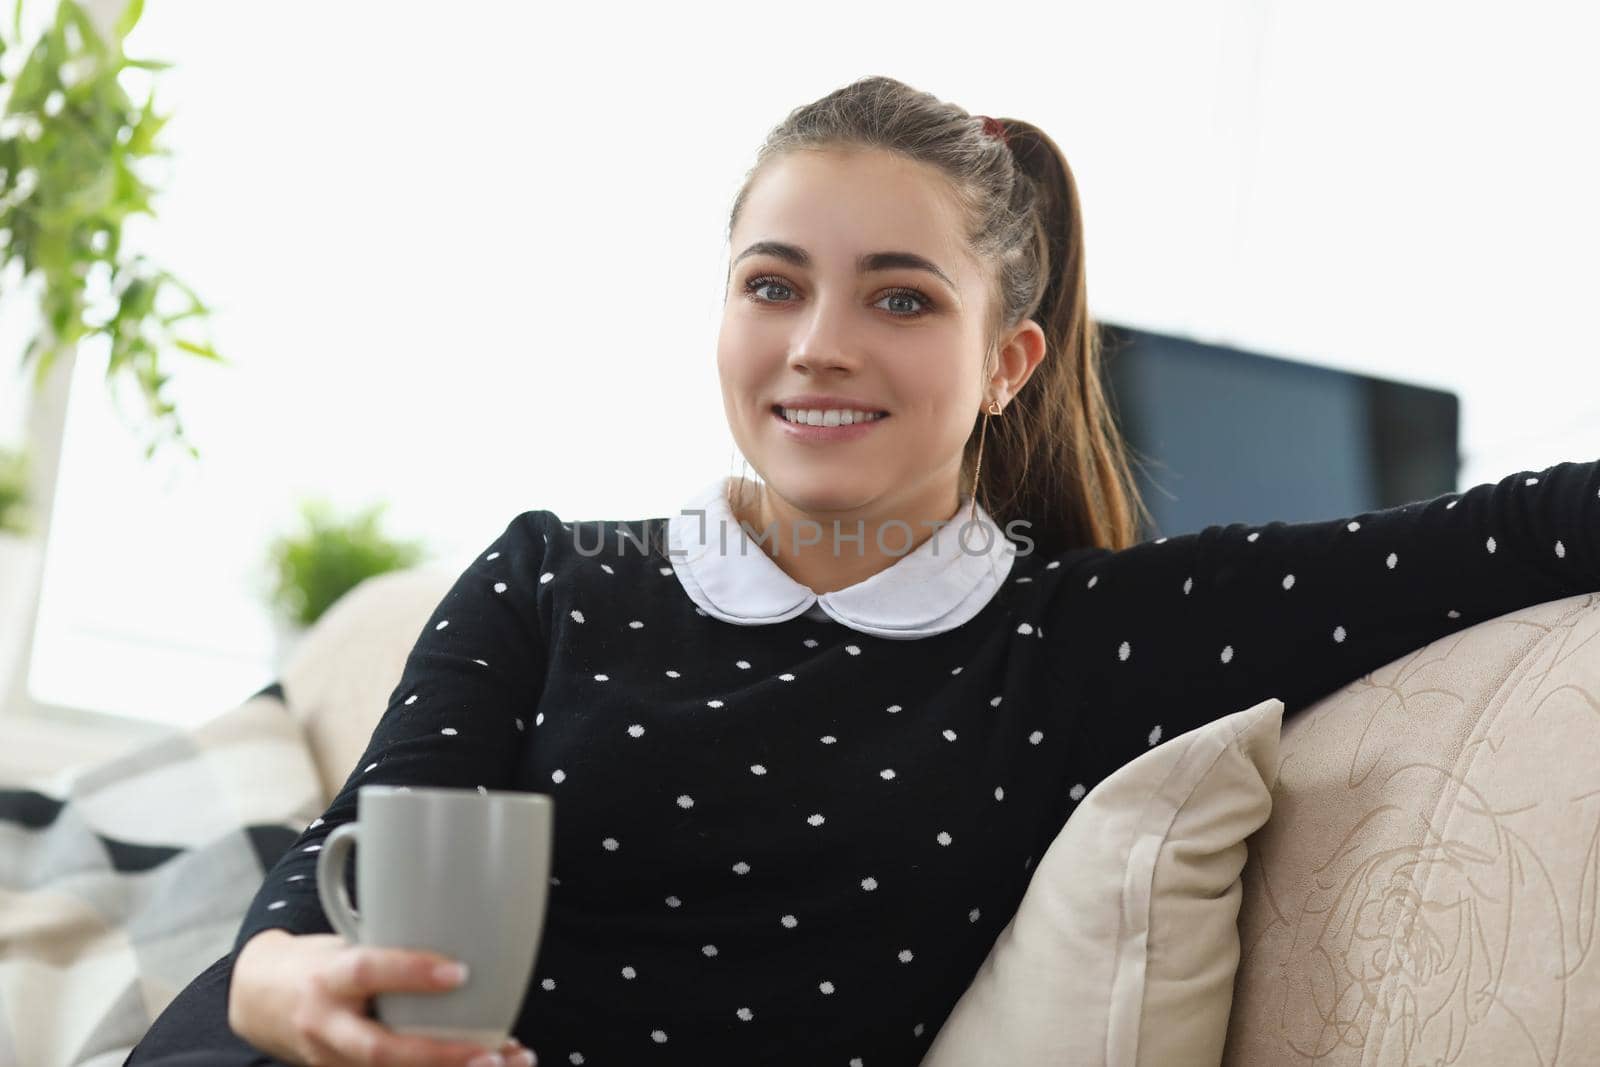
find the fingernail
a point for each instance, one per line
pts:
(454, 973)
(523, 1058)
(488, 1059)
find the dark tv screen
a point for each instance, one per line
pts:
(1219, 435)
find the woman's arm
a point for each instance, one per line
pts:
(456, 718)
(1167, 635)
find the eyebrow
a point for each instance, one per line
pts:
(866, 263)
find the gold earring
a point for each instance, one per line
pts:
(993, 408)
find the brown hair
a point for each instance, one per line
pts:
(1056, 458)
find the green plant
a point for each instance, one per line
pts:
(14, 491)
(314, 568)
(71, 146)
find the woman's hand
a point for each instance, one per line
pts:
(303, 998)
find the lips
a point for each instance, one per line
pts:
(804, 432)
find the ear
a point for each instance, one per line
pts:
(1021, 351)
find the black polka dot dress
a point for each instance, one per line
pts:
(789, 828)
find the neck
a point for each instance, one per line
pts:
(804, 544)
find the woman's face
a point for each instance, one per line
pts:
(850, 280)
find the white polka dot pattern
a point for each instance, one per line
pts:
(750, 817)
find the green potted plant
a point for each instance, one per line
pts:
(72, 148)
(20, 556)
(327, 557)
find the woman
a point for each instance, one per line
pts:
(808, 735)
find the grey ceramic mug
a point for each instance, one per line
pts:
(455, 871)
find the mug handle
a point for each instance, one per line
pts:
(331, 862)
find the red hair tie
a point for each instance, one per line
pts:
(995, 128)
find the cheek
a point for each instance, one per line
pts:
(742, 388)
(939, 411)
(736, 342)
(746, 364)
(733, 364)
(942, 388)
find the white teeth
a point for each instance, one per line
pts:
(830, 417)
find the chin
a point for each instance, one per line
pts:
(819, 490)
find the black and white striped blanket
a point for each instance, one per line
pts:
(122, 881)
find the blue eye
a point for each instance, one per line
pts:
(753, 287)
(910, 294)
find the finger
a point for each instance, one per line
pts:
(361, 971)
(357, 1040)
(517, 1055)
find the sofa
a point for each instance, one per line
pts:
(1424, 892)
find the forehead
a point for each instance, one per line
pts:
(837, 204)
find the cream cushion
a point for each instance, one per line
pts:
(1124, 948)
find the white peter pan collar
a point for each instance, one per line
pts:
(935, 587)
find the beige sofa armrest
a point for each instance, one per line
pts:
(1425, 890)
(337, 681)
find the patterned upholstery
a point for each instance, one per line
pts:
(1424, 892)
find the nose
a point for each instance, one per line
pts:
(823, 344)
(831, 361)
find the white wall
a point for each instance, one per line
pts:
(469, 258)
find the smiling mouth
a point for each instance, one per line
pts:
(875, 416)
